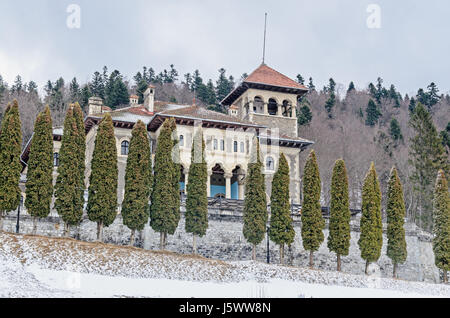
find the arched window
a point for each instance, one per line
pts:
(125, 148)
(56, 159)
(286, 109)
(272, 107)
(181, 141)
(216, 144)
(258, 104)
(270, 164)
(235, 146)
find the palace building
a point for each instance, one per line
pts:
(264, 104)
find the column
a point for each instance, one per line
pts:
(241, 185)
(266, 109)
(228, 177)
(279, 113)
(208, 183)
(294, 111)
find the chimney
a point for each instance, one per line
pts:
(95, 105)
(149, 98)
(134, 100)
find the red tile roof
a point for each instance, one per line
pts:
(266, 75)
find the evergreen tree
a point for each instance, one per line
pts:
(97, 86)
(304, 116)
(441, 228)
(445, 136)
(197, 198)
(312, 220)
(39, 186)
(371, 237)
(165, 207)
(255, 202)
(281, 227)
(140, 90)
(75, 91)
(427, 156)
(351, 87)
(84, 98)
(396, 212)
(339, 228)
(311, 86)
(300, 79)
(373, 113)
(412, 105)
(138, 181)
(116, 92)
(69, 188)
(395, 130)
(331, 101)
(102, 200)
(223, 85)
(10, 166)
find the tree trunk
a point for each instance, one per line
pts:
(394, 274)
(367, 267)
(132, 237)
(254, 252)
(66, 231)
(282, 254)
(34, 225)
(445, 277)
(311, 262)
(338, 262)
(164, 240)
(194, 244)
(100, 231)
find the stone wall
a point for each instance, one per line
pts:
(224, 240)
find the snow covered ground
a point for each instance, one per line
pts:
(49, 267)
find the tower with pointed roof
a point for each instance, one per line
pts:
(269, 98)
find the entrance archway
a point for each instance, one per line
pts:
(218, 186)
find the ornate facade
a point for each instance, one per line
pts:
(264, 104)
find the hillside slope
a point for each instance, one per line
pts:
(33, 266)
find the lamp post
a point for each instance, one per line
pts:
(18, 214)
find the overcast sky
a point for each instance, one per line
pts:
(321, 39)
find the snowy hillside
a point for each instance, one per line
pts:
(53, 267)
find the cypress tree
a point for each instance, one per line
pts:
(441, 229)
(10, 166)
(39, 186)
(138, 181)
(426, 156)
(69, 188)
(165, 203)
(312, 220)
(197, 198)
(339, 228)
(255, 203)
(80, 140)
(102, 201)
(281, 228)
(395, 210)
(371, 237)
